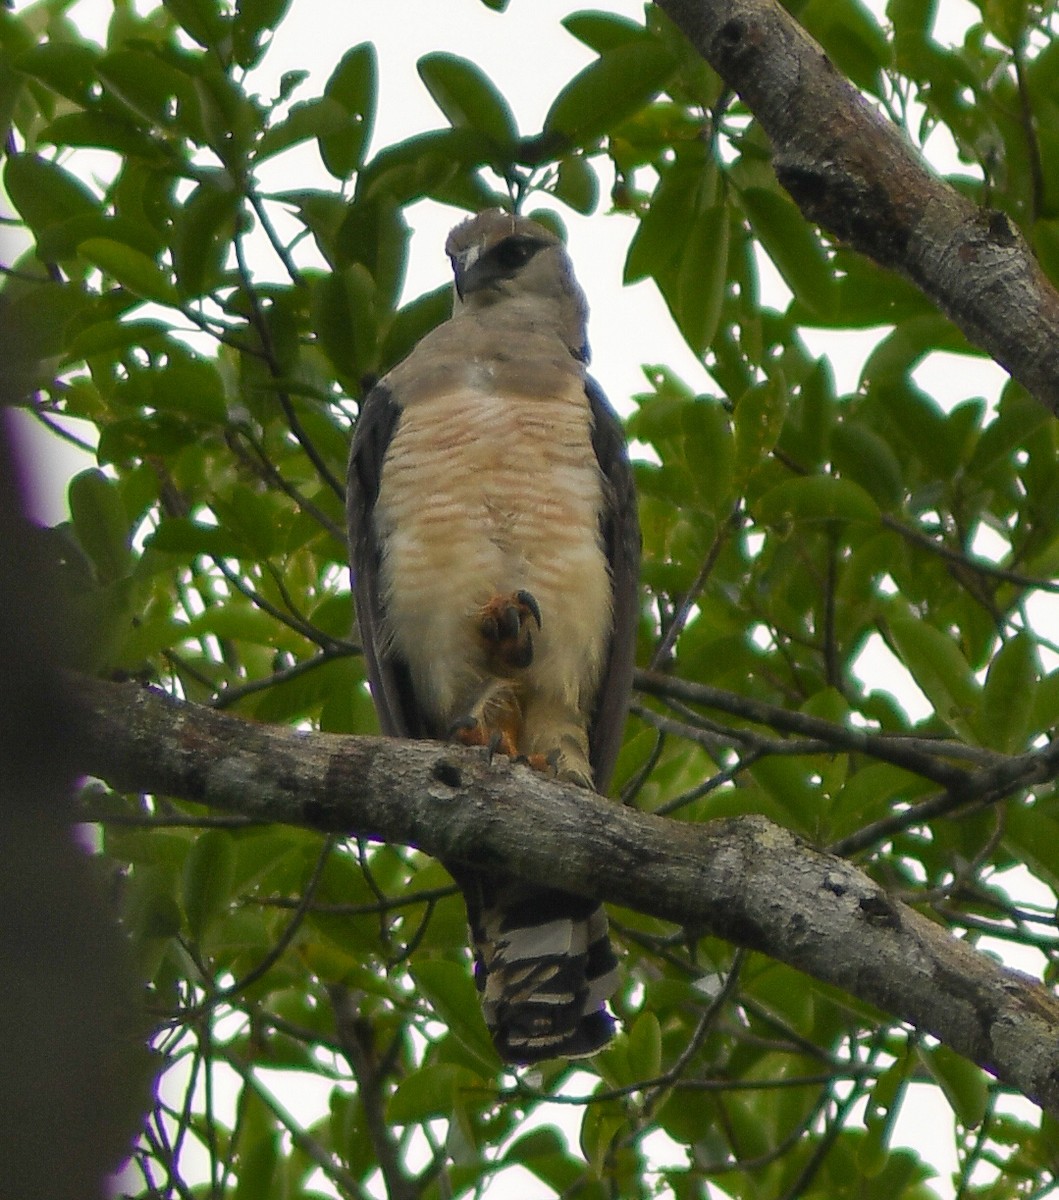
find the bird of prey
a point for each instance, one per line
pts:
(495, 549)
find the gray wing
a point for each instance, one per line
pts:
(391, 684)
(620, 529)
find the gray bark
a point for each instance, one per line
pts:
(744, 879)
(854, 173)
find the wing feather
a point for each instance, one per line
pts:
(391, 684)
(620, 529)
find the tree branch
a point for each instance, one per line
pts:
(856, 175)
(743, 878)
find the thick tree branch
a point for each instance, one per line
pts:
(744, 879)
(855, 174)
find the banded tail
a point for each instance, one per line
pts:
(544, 967)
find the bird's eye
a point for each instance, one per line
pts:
(514, 252)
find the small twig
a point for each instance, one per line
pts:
(918, 538)
(357, 1035)
(835, 1127)
(994, 929)
(232, 694)
(268, 472)
(387, 904)
(1029, 130)
(310, 632)
(839, 737)
(282, 253)
(309, 1146)
(263, 333)
(635, 785)
(53, 427)
(729, 737)
(288, 934)
(976, 790)
(687, 602)
(832, 666)
(727, 775)
(284, 940)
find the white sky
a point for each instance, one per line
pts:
(530, 57)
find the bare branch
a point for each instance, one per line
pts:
(890, 749)
(855, 174)
(744, 878)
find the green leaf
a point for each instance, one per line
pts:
(467, 97)
(149, 908)
(599, 1126)
(44, 193)
(607, 92)
(963, 1083)
(345, 317)
(100, 522)
(410, 323)
(868, 795)
(702, 277)
(107, 131)
(543, 1151)
(860, 454)
(912, 22)
(209, 871)
(758, 419)
(354, 85)
(880, 1113)
(939, 669)
(910, 342)
(105, 337)
(69, 68)
(181, 535)
(451, 992)
(1009, 694)
(432, 1091)
(1006, 20)
(259, 1161)
(141, 437)
(192, 386)
(815, 498)
(131, 268)
(603, 31)
(794, 247)
(657, 247)
(237, 620)
(201, 19)
(34, 325)
(851, 36)
(201, 235)
(311, 119)
(59, 242)
(145, 84)
(577, 184)
(645, 1046)
(252, 19)
(374, 232)
(252, 517)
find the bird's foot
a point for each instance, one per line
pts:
(547, 764)
(469, 731)
(505, 625)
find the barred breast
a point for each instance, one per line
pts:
(489, 491)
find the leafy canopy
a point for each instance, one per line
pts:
(787, 528)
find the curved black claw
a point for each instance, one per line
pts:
(529, 601)
(505, 626)
(460, 727)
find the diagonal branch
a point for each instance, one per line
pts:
(744, 878)
(856, 175)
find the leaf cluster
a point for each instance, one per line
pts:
(217, 338)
